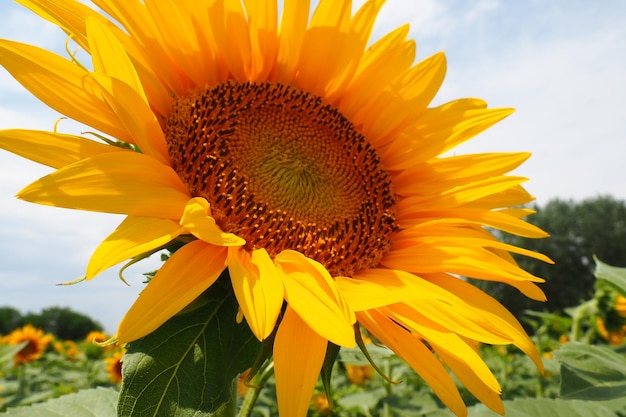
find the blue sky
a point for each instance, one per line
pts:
(560, 63)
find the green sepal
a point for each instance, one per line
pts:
(361, 345)
(188, 366)
(332, 351)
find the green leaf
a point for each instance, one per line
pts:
(613, 274)
(96, 402)
(539, 407)
(591, 372)
(188, 367)
(7, 352)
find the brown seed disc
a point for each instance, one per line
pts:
(284, 171)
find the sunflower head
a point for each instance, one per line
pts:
(37, 343)
(299, 156)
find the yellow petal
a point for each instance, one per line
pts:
(413, 351)
(197, 219)
(403, 102)
(187, 37)
(472, 381)
(133, 237)
(293, 25)
(495, 312)
(299, 354)
(146, 34)
(500, 219)
(322, 45)
(446, 342)
(312, 293)
(258, 287)
(350, 55)
(375, 288)
(115, 182)
(136, 115)
(461, 319)
(53, 79)
(439, 175)
(385, 60)
(109, 56)
(440, 234)
(55, 150)
(68, 15)
(438, 130)
(232, 37)
(262, 18)
(186, 274)
(441, 256)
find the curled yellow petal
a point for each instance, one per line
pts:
(197, 219)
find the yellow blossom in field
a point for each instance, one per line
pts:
(96, 336)
(37, 339)
(320, 404)
(113, 365)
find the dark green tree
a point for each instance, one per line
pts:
(63, 322)
(578, 231)
(9, 319)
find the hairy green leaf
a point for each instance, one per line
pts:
(188, 366)
(539, 407)
(7, 352)
(96, 402)
(591, 372)
(612, 274)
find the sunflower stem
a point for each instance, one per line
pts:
(578, 315)
(255, 389)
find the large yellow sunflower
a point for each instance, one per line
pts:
(298, 157)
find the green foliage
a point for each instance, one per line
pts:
(97, 402)
(189, 365)
(591, 372)
(614, 275)
(7, 352)
(577, 231)
(541, 407)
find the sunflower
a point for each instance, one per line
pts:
(113, 366)
(96, 336)
(37, 343)
(300, 156)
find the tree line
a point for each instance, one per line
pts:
(62, 322)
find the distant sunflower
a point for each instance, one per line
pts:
(298, 157)
(37, 343)
(96, 336)
(113, 365)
